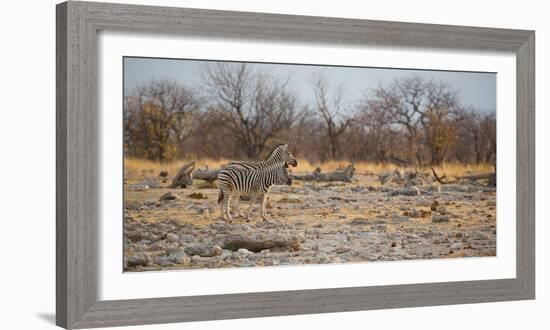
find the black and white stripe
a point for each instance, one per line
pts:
(237, 180)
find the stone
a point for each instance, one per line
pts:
(269, 224)
(441, 218)
(417, 213)
(203, 210)
(359, 221)
(132, 236)
(168, 197)
(179, 258)
(138, 187)
(133, 206)
(398, 218)
(152, 183)
(261, 241)
(270, 262)
(341, 249)
(203, 250)
(171, 237)
(456, 246)
(157, 246)
(186, 238)
(197, 195)
(162, 261)
(244, 253)
(380, 226)
(174, 248)
(246, 263)
(408, 191)
(441, 209)
(289, 200)
(139, 259)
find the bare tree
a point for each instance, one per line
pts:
(476, 137)
(424, 110)
(158, 117)
(253, 106)
(379, 134)
(329, 106)
(438, 120)
(241, 112)
(402, 101)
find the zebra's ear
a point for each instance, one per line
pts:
(286, 145)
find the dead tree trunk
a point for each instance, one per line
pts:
(183, 177)
(442, 179)
(207, 175)
(343, 175)
(490, 177)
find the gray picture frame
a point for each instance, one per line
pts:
(78, 24)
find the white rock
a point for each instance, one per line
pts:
(138, 187)
(456, 246)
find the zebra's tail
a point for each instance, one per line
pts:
(220, 196)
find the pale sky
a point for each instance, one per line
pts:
(475, 89)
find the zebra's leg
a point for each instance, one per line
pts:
(228, 208)
(263, 207)
(238, 211)
(221, 202)
(253, 198)
(224, 204)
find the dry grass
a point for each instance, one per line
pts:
(142, 167)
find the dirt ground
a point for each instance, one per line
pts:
(310, 223)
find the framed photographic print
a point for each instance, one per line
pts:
(217, 165)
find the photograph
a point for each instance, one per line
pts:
(246, 164)
(274, 165)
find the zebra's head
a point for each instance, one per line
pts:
(280, 153)
(282, 177)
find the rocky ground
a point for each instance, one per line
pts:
(376, 217)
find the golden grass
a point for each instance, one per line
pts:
(454, 170)
(143, 167)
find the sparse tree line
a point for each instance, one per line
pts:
(239, 113)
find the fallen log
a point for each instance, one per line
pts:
(476, 177)
(307, 177)
(342, 175)
(206, 174)
(490, 177)
(442, 179)
(183, 177)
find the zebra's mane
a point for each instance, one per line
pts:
(274, 149)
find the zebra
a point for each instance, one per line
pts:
(255, 182)
(279, 154)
